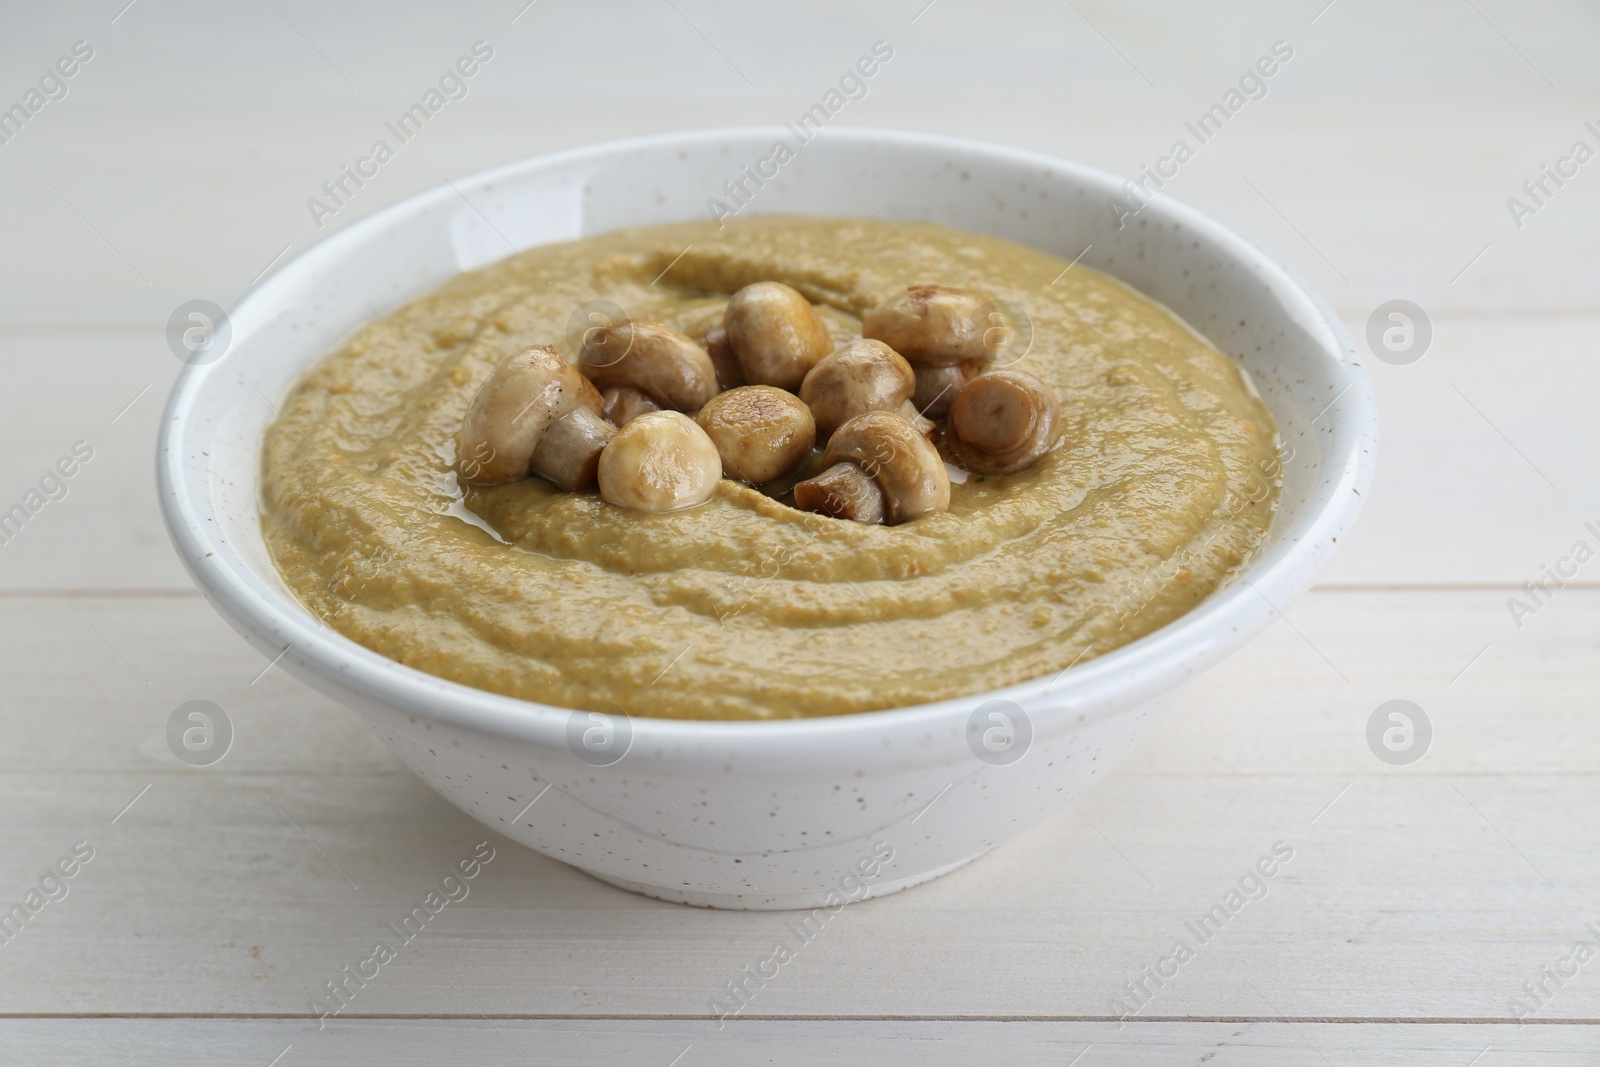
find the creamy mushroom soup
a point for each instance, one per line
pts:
(1144, 476)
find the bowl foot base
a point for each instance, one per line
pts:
(756, 901)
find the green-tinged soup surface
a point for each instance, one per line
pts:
(1163, 483)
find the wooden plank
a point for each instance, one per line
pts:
(233, 889)
(1423, 217)
(227, 893)
(465, 1038)
(101, 390)
(120, 665)
(1483, 460)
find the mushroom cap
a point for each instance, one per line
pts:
(761, 431)
(652, 357)
(904, 464)
(776, 334)
(523, 395)
(933, 325)
(1003, 421)
(660, 461)
(862, 376)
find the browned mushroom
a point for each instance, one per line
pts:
(761, 431)
(776, 335)
(651, 357)
(533, 414)
(1003, 421)
(660, 461)
(860, 377)
(935, 325)
(897, 475)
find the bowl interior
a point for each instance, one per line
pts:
(1296, 354)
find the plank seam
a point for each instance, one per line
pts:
(1342, 1020)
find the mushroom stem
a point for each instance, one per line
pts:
(905, 465)
(926, 427)
(844, 491)
(1003, 421)
(937, 387)
(729, 374)
(624, 403)
(570, 450)
(524, 395)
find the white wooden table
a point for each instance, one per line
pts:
(1420, 898)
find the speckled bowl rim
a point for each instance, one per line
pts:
(1144, 668)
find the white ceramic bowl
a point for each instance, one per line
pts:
(767, 814)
